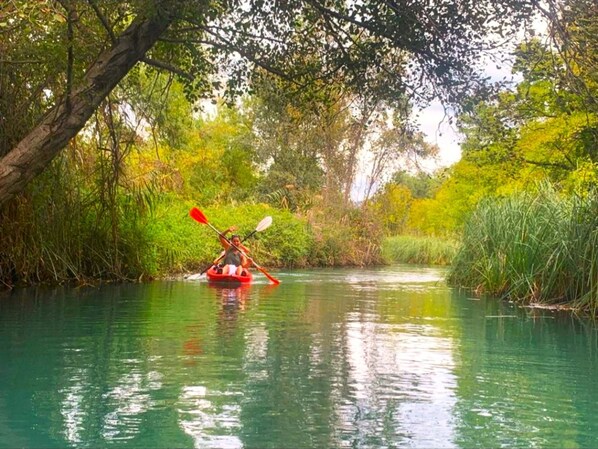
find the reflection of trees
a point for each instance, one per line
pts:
(284, 395)
(339, 362)
(90, 381)
(303, 367)
(400, 352)
(317, 365)
(331, 371)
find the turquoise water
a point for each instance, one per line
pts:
(386, 357)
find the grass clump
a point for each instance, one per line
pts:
(533, 248)
(419, 250)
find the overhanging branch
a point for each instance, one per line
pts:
(168, 67)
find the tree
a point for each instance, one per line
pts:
(391, 204)
(421, 184)
(395, 145)
(419, 48)
(544, 128)
(73, 107)
(308, 140)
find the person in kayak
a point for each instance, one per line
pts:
(234, 261)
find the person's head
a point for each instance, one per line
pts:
(235, 239)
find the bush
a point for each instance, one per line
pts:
(345, 237)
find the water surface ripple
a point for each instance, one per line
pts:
(375, 358)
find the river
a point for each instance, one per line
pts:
(332, 358)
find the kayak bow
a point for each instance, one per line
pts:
(214, 276)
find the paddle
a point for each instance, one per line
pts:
(261, 226)
(199, 216)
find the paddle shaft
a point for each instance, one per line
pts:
(199, 216)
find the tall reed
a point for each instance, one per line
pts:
(419, 250)
(63, 230)
(533, 248)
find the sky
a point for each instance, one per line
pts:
(434, 123)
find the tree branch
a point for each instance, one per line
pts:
(167, 67)
(37, 149)
(103, 19)
(546, 164)
(229, 46)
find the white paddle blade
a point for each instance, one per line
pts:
(264, 224)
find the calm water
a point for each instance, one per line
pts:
(330, 358)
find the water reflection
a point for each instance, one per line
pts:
(72, 407)
(209, 422)
(231, 294)
(209, 412)
(402, 381)
(331, 358)
(127, 401)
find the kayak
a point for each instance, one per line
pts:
(214, 276)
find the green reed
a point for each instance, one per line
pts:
(419, 250)
(533, 248)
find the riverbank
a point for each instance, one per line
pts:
(42, 247)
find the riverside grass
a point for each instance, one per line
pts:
(419, 250)
(62, 239)
(529, 248)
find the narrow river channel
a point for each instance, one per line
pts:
(385, 357)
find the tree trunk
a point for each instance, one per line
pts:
(36, 150)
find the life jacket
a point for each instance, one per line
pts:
(232, 257)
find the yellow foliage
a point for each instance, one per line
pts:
(392, 206)
(583, 179)
(553, 140)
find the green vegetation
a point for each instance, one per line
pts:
(419, 250)
(113, 203)
(519, 241)
(543, 128)
(62, 60)
(533, 248)
(160, 240)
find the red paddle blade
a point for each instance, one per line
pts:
(272, 278)
(198, 215)
(268, 275)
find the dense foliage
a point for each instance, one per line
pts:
(122, 213)
(544, 127)
(533, 248)
(309, 86)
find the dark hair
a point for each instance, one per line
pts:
(235, 235)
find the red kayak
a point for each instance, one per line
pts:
(214, 276)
